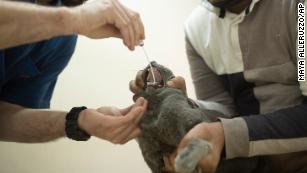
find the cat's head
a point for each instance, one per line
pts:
(162, 74)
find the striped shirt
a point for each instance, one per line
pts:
(247, 62)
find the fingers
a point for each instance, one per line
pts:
(135, 97)
(138, 102)
(109, 18)
(112, 128)
(127, 129)
(131, 26)
(109, 110)
(137, 34)
(135, 133)
(121, 22)
(139, 79)
(125, 110)
(210, 160)
(141, 31)
(136, 112)
(117, 130)
(178, 83)
(127, 126)
(141, 102)
(127, 134)
(138, 28)
(137, 85)
(133, 87)
(169, 162)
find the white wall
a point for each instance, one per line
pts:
(97, 75)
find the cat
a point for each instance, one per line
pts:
(171, 114)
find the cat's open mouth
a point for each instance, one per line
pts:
(153, 77)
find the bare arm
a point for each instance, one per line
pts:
(25, 23)
(22, 23)
(20, 124)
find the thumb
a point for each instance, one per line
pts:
(109, 110)
(135, 115)
(178, 83)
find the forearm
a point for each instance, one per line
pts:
(22, 23)
(279, 132)
(19, 124)
(210, 93)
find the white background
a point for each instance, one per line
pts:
(98, 75)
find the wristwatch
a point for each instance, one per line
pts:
(71, 126)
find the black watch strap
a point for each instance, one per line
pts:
(71, 126)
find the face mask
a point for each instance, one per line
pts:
(225, 3)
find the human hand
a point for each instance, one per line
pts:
(108, 18)
(211, 132)
(137, 85)
(179, 83)
(115, 125)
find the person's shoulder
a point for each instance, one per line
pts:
(200, 20)
(198, 25)
(200, 15)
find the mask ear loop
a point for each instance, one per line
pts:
(222, 13)
(247, 11)
(225, 5)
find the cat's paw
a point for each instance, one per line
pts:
(188, 158)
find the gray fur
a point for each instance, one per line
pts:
(169, 117)
(171, 114)
(188, 158)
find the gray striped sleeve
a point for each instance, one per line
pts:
(208, 86)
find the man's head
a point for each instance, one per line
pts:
(224, 3)
(235, 6)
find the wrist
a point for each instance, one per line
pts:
(82, 120)
(218, 135)
(72, 128)
(87, 121)
(214, 133)
(66, 20)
